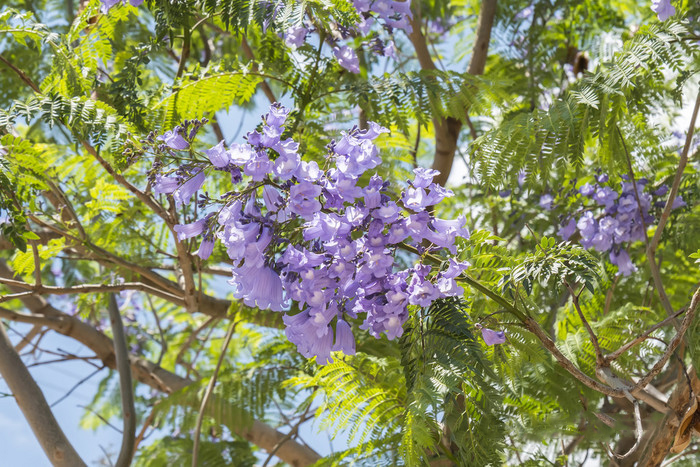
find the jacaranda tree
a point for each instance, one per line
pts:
(445, 232)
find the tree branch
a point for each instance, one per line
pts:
(447, 129)
(146, 372)
(33, 405)
(126, 389)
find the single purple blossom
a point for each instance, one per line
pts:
(174, 140)
(347, 58)
(546, 202)
(218, 156)
(492, 337)
(185, 191)
(205, 249)
(185, 231)
(566, 231)
(344, 340)
(295, 37)
(663, 9)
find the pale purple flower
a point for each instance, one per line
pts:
(258, 167)
(663, 9)
(185, 231)
(240, 154)
(566, 231)
(492, 337)
(587, 225)
(662, 190)
(174, 140)
(185, 191)
(218, 156)
(347, 58)
(623, 262)
(424, 177)
(205, 249)
(601, 241)
(107, 5)
(258, 287)
(165, 185)
(302, 199)
(422, 292)
(295, 37)
(364, 26)
(678, 202)
(390, 50)
(605, 196)
(546, 202)
(587, 189)
(344, 339)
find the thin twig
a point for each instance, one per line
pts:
(163, 340)
(616, 354)
(209, 390)
(76, 386)
(654, 243)
(104, 420)
(600, 360)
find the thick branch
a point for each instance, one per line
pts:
(447, 129)
(33, 405)
(126, 390)
(149, 373)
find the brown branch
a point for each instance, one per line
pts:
(447, 129)
(148, 373)
(33, 405)
(654, 243)
(22, 75)
(210, 389)
(126, 390)
(616, 354)
(84, 289)
(248, 52)
(594, 339)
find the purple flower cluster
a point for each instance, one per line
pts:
(615, 218)
(108, 4)
(325, 239)
(395, 14)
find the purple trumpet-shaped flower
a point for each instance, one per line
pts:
(295, 37)
(492, 337)
(258, 287)
(567, 230)
(424, 177)
(678, 202)
(185, 231)
(218, 156)
(185, 191)
(344, 339)
(174, 140)
(240, 154)
(165, 185)
(107, 5)
(663, 9)
(587, 189)
(205, 248)
(302, 199)
(546, 202)
(623, 262)
(347, 58)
